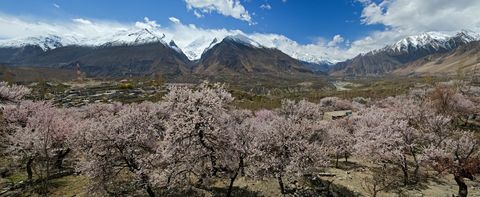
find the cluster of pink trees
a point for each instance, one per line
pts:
(195, 135)
(120, 141)
(411, 131)
(38, 134)
(12, 92)
(190, 137)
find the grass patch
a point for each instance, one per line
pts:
(69, 186)
(16, 177)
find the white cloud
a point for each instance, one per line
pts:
(409, 17)
(421, 15)
(174, 20)
(197, 14)
(15, 27)
(337, 39)
(309, 52)
(266, 6)
(82, 21)
(56, 5)
(232, 8)
(147, 24)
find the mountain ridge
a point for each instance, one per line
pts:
(143, 51)
(134, 36)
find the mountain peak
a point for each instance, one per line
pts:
(242, 39)
(239, 54)
(212, 44)
(468, 35)
(174, 46)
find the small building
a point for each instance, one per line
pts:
(337, 114)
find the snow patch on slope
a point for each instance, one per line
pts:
(45, 42)
(132, 37)
(433, 39)
(195, 49)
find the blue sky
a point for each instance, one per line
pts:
(303, 21)
(334, 30)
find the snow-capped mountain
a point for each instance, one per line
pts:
(429, 39)
(434, 41)
(198, 47)
(147, 50)
(193, 50)
(143, 53)
(240, 55)
(402, 52)
(124, 37)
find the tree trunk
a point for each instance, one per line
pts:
(242, 167)
(375, 193)
(415, 173)
(150, 191)
(230, 187)
(214, 165)
(462, 187)
(213, 159)
(336, 161)
(280, 182)
(148, 187)
(417, 166)
(405, 171)
(405, 176)
(60, 157)
(346, 158)
(201, 179)
(29, 170)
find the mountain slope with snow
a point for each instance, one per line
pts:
(44, 42)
